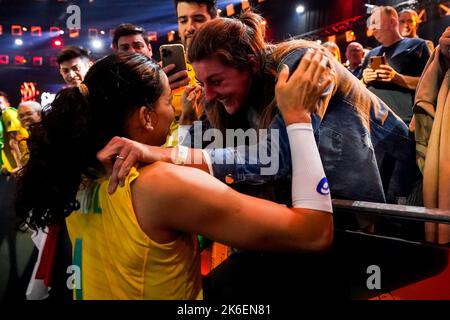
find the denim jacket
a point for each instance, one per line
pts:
(365, 149)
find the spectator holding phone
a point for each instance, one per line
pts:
(396, 80)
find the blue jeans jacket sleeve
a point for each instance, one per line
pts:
(267, 161)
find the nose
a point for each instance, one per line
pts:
(210, 94)
(191, 26)
(72, 74)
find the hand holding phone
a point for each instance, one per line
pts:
(376, 61)
(173, 54)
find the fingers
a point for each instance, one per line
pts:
(184, 81)
(168, 68)
(107, 155)
(180, 75)
(124, 169)
(282, 76)
(118, 163)
(319, 70)
(189, 92)
(305, 62)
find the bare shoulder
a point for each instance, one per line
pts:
(164, 178)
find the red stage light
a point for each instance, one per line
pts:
(1, 29)
(16, 30)
(4, 59)
(29, 91)
(37, 61)
(19, 60)
(54, 31)
(36, 31)
(57, 43)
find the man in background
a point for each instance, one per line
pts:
(74, 63)
(394, 82)
(355, 57)
(408, 23)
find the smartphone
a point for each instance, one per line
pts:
(173, 54)
(376, 61)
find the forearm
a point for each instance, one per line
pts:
(14, 145)
(407, 82)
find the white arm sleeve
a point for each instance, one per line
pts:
(310, 187)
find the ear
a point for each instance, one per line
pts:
(114, 47)
(253, 63)
(150, 49)
(145, 118)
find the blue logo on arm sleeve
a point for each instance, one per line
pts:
(323, 187)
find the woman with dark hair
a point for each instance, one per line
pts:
(365, 148)
(139, 243)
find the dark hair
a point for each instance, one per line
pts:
(71, 52)
(3, 94)
(211, 6)
(64, 144)
(128, 29)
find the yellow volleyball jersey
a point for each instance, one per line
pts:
(178, 93)
(118, 260)
(11, 123)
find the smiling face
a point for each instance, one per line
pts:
(74, 70)
(28, 115)
(408, 24)
(222, 83)
(190, 17)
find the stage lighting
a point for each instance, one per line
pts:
(37, 61)
(245, 4)
(16, 30)
(230, 10)
(54, 31)
(36, 31)
(171, 36)
(97, 44)
(1, 29)
(19, 60)
(74, 33)
(300, 9)
(4, 59)
(57, 43)
(18, 42)
(350, 36)
(152, 36)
